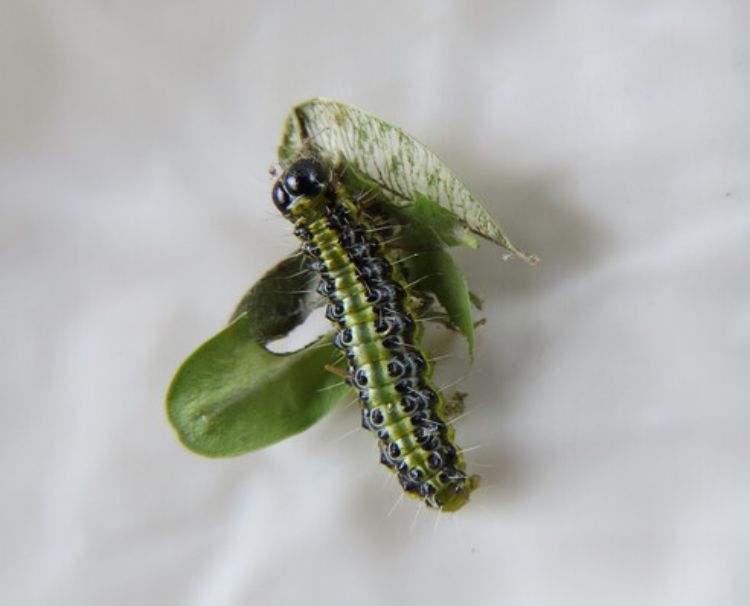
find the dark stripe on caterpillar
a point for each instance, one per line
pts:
(370, 303)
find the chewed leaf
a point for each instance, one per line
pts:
(281, 300)
(232, 395)
(368, 149)
(437, 273)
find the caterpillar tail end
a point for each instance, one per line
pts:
(453, 501)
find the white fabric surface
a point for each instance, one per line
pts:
(610, 392)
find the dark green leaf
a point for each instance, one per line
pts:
(439, 274)
(281, 300)
(232, 396)
(426, 226)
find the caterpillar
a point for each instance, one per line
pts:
(371, 305)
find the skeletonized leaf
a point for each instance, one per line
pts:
(368, 149)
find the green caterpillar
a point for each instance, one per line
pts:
(370, 302)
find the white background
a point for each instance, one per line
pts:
(610, 394)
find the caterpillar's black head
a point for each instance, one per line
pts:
(301, 182)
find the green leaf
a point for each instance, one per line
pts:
(232, 395)
(441, 276)
(427, 226)
(372, 153)
(281, 300)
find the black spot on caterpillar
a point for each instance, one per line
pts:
(370, 303)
